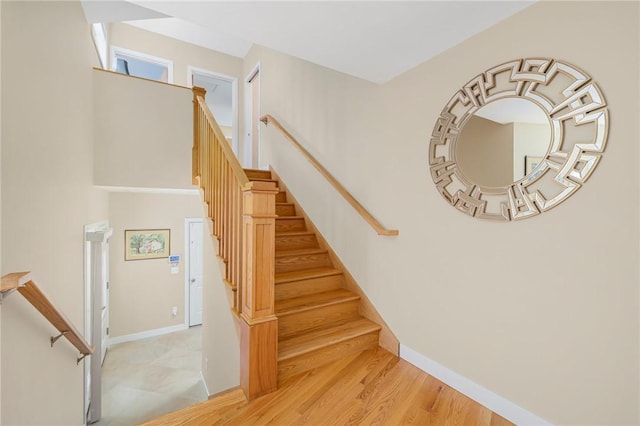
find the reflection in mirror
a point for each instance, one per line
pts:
(496, 140)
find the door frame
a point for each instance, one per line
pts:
(187, 285)
(99, 232)
(248, 107)
(234, 99)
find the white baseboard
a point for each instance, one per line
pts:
(145, 334)
(204, 383)
(492, 401)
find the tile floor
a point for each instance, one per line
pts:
(147, 378)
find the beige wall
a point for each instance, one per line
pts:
(143, 292)
(485, 152)
(143, 132)
(543, 312)
(47, 198)
(220, 338)
(182, 54)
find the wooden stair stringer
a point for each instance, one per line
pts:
(387, 339)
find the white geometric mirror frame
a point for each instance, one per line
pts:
(579, 121)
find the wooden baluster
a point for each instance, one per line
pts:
(259, 325)
(223, 219)
(239, 246)
(204, 171)
(236, 236)
(197, 120)
(217, 191)
(213, 183)
(227, 223)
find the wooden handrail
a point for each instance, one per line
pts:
(381, 230)
(22, 282)
(238, 171)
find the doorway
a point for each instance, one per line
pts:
(193, 271)
(221, 98)
(252, 145)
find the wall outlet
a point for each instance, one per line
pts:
(174, 311)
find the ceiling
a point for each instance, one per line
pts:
(372, 40)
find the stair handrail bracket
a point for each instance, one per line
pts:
(26, 286)
(362, 211)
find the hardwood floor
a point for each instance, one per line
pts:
(371, 387)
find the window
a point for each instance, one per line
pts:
(141, 65)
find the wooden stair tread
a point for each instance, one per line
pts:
(293, 233)
(263, 179)
(257, 172)
(290, 218)
(300, 252)
(312, 301)
(309, 341)
(305, 274)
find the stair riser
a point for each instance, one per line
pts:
(290, 225)
(286, 210)
(314, 359)
(305, 287)
(258, 174)
(292, 242)
(281, 197)
(315, 318)
(298, 262)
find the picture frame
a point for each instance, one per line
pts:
(530, 163)
(142, 244)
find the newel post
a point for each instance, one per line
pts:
(259, 325)
(195, 150)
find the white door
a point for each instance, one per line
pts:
(195, 273)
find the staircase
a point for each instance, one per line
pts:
(319, 319)
(297, 307)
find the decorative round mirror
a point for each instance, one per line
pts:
(518, 139)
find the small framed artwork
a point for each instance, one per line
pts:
(530, 163)
(140, 244)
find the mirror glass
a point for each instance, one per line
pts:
(499, 141)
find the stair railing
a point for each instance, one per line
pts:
(23, 283)
(242, 217)
(362, 211)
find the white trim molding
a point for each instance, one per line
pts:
(145, 334)
(484, 396)
(138, 190)
(144, 57)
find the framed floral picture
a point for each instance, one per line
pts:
(140, 244)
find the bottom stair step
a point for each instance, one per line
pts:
(312, 349)
(307, 342)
